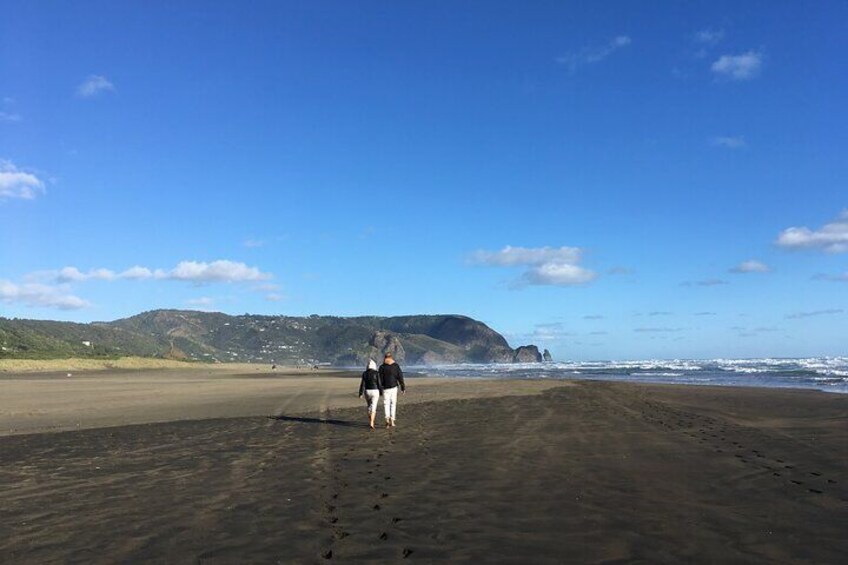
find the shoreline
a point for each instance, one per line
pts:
(50, 402)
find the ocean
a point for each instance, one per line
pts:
(829, 374)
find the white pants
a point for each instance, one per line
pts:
(372, 397)
(390, 402)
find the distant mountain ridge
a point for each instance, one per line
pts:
(285, 340)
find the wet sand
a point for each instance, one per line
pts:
(586, 472)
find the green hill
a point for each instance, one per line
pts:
(286, 340)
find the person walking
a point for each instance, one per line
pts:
(371, 387)
(390, 377)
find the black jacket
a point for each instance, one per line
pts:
(391, 376)
(370, 381)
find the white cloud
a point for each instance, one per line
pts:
(557, 274)
(831, 238)
(729, 142)
(9, 117)
(16, 183)
(592, 55)
(273, 297)
(203, 301)
(709, 36)
(216, 271)
(94, 85)
(656, 330)
(555, 266)
(40, 295)
(72, 274)
(750, 266)
(136, 273)
(252, 243)
(191, 271)
(739, 67)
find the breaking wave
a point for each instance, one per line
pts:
(829, 374)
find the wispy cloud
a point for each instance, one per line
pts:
(659, 313)
(620, 271)
(554, 266)
(657, 330)
(831, 238)
(728, 142)
(40, 295)
(705, 314)
(832, 278)
(709, 36)
(705, 282)
(750, 266)
(593, 317)
(18, 183)
(202, 302)
(253, 243)
(811, 314)
(511, 256)
(6, 114)
(554, 331)
(94, 85)
(739, 67)
(594, 54)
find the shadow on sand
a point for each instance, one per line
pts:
(332, 422)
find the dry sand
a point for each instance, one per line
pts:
(587, 472)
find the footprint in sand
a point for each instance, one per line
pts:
(396, 520)
(376, 507)
(816, 491)
(327, 554)
(406, 552)
(384, 536)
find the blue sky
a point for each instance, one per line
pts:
(616, 180)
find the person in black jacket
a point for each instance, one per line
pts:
(390, 378)
(371, 387)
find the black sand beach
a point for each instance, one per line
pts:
(588, 472)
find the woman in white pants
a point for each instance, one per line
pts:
(391, 377)
(371, 387)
